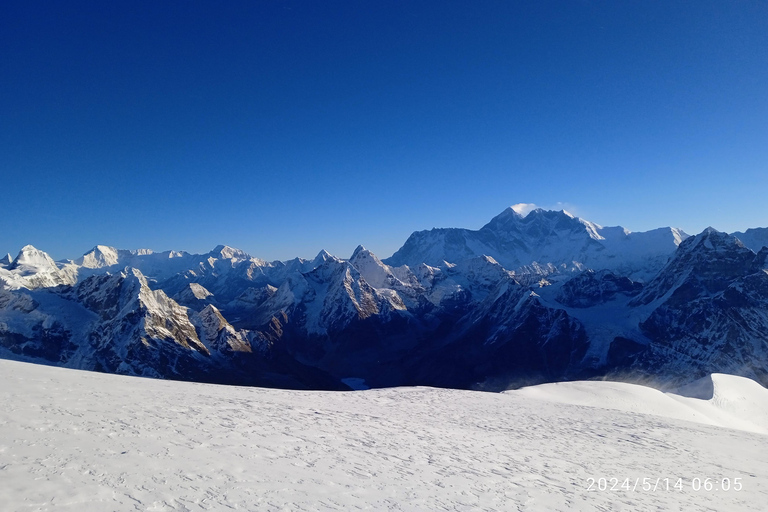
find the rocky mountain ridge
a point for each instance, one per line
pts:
(534, 298)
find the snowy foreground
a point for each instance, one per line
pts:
(80, 441)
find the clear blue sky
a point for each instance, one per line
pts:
(284, 127)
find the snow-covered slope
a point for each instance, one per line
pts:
(78, 441)
(33, 268)
(718, 399)
(102, 256)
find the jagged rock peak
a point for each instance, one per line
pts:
(6, 260)
(322, 257)
(212, 312)
(711, 238)
(135, 275)
(703, 265)
(358, 249)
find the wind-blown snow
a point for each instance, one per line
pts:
(79, 441)
(523, 209)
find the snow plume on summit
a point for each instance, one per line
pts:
(523, 209)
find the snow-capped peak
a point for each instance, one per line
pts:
(98, 257)
(362, 257)
(321, 258)
(711, 238)
(376, 273)
(32, 259)
(229, 253)
(6, 260)
(543, 237)
(32, 269)
(360, 251)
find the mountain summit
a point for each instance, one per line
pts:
(532, 296)
(544, 237)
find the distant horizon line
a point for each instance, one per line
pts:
(521, 209)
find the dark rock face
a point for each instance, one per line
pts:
(703, 265)
(623, 352)
(519, 338)
(591, 288)
(51, 344)
(712, 313)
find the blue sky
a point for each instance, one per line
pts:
(285, 127)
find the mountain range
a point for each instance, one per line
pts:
(532, 298)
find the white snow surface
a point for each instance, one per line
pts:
(98, 257)
(80, 441)
(720, 400)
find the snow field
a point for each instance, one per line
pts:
(721, 400)
(73, 440)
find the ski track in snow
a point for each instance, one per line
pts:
(73, 440)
